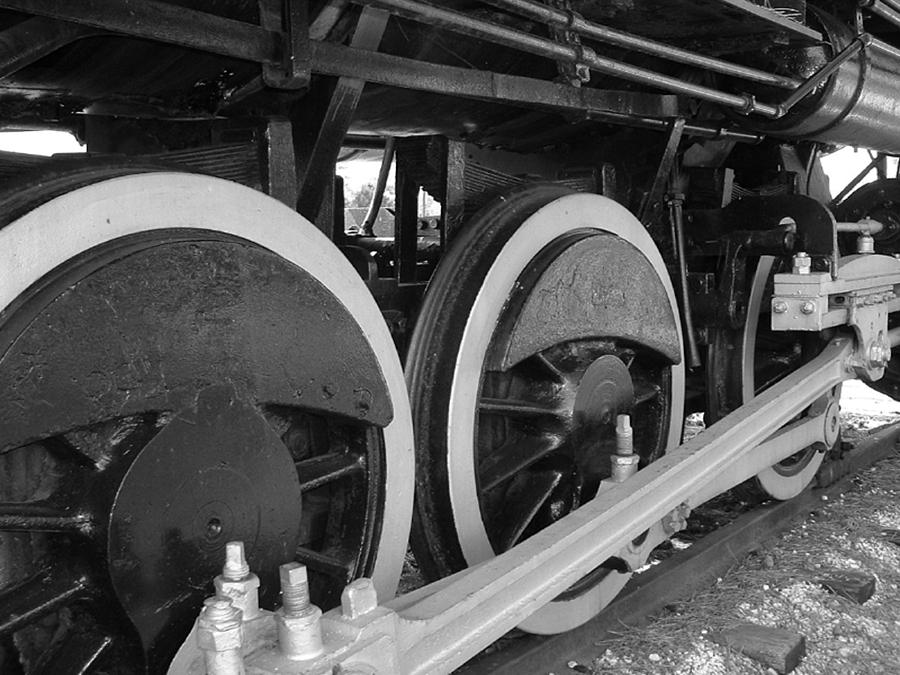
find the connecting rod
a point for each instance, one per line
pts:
(439, 627)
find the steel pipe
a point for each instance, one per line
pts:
(492, 32)
(590, 29)
(395, 71)
(890, 12)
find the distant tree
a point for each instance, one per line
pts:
(361, 198)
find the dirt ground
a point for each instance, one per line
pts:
(779, 585)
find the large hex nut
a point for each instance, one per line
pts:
(210, 638)
(244, 593)
(300, 633)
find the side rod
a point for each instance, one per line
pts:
(442, 630)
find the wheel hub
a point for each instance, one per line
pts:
(605, 391)
(215, 473)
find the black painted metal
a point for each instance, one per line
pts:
(318, 171)
(31, 40)
(149, 477)
(210, 476)
(537, 453)
(163, 22)
(207, 320)
(816, 228)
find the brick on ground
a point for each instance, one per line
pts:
(776, 648)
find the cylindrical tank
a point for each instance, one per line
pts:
(858, 105)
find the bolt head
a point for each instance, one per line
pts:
(808, 307)
(779, 306)
(236, 566)
(358, 598)
(292, 574)
(802, 263)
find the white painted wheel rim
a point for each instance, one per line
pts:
(88, 217)
(560, 217)
(775, 483)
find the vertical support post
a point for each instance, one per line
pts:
(453, 202)
(291, 20)
(882, 166)
(279, 166)
(319, 166)
(406, 219)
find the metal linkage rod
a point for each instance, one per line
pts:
(590, 29)
(492, 32)
(889, 11)
(855, 47)
(435, 633)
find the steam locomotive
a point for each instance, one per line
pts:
(197, 349)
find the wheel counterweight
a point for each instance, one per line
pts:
(185, 362)
(551, 314)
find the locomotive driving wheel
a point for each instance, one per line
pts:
(550, 314)
(748, 360)
(183, 362)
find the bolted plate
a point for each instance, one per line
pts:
(214, 474)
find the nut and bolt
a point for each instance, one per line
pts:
(779, 306)
(624, 435)
(298, 621)
(236, 581)
(865, 243)
(802, 263)
(808, 307)
(879, 354)
(358, 598)
(624, 463)
(220, 637)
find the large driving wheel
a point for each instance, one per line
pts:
(183, 362)
(745, 362)
(551, 314)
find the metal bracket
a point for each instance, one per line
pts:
(861, 296)
(289, 20)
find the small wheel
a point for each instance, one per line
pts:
(183, 362)
(745, 362)
(551, 314)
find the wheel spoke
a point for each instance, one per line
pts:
(41, 517)
(547, 366)
(522, 503)
(39, 595)
(78, 652)
(317, 471)
(328, 565)
(514, 456)
(514, 408)
(645, 392)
